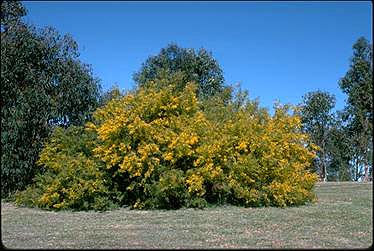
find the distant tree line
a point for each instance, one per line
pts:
(345, 138)
(44, 85)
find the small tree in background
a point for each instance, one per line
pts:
(340, 151)
(113, 93)
(188, 66)
(317, 120)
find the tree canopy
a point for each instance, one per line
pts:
(44, 84)
(317, 119)
(188, 66)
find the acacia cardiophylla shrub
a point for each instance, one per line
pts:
(168, 154)
(156, 148)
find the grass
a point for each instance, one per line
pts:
(342, 218)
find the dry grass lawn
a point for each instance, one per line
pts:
(342, 218)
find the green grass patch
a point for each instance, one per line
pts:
(342, 218)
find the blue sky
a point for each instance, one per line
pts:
(276, 50)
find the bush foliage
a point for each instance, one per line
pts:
(156, 148)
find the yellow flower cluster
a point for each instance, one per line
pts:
(138, 134)
(195, 184)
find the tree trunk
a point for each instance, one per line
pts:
(325, 173)
(357, 171)
(366, 168)
(325, 165)
(366, 158)
(323, 157)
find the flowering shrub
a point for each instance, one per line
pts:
(173, 154)
(151, 137)
(251, 158)
(159, 148)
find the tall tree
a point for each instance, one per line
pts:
(317, 118)
(43, 84)
(358, 85)
(188, 65)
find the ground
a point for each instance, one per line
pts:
(342, 218)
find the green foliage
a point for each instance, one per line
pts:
(317, 121)
(169, 191)
(340, 152)
(43, 84)
(11, 13)
(72, 179)
(186, 65)
(358, 85)
(22, 131)
(113, 93)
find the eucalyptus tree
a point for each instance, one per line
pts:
(43, 84)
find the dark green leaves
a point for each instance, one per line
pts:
(183, 65)
(43, 84)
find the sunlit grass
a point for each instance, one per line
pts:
(342, 218)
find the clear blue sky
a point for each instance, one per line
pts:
(277, 50)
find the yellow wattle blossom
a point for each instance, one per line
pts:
(242, 146)
(193, 140)
(195, 184)
(168, 156)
